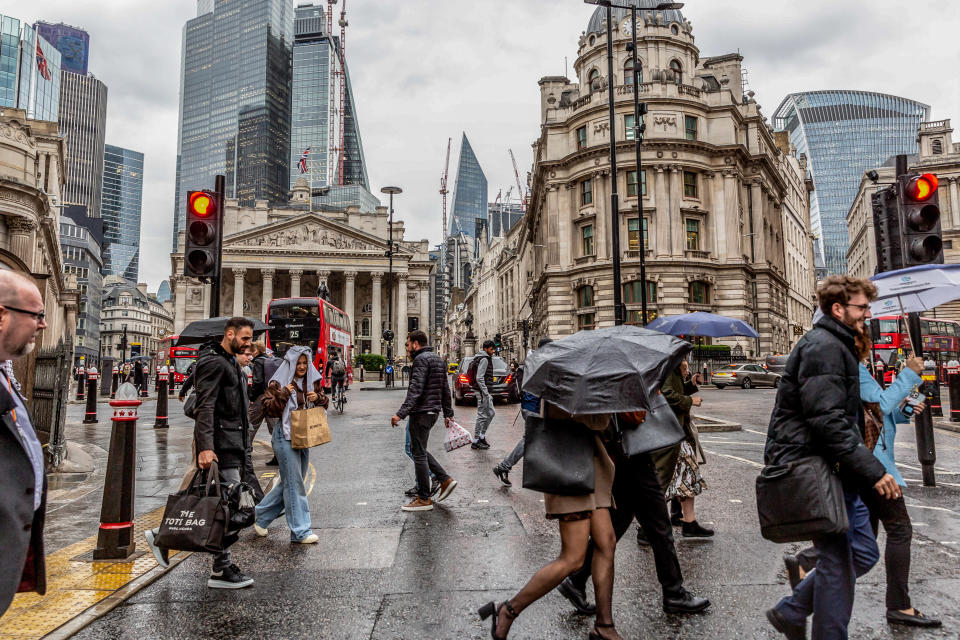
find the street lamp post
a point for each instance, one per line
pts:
(389, 334)
(618, 310)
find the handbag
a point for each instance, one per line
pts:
(456, 437)
(558, 457)
(308, 427)
(800, 500)
(195, 519)
(659, 430)
(872, 424)
(190, 406)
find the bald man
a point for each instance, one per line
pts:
(23, 484)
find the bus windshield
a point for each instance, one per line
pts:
(293, 323)
(180, 365)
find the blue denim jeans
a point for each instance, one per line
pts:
(827, 592)
(289, 494)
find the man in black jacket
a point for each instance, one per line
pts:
(23, 482)
(221, 430)
(818, 413)
(427, 395)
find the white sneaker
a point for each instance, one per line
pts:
(160, 554)
(310, 539)
(260, 530)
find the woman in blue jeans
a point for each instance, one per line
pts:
(296, 384)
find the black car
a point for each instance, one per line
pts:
(503, 387)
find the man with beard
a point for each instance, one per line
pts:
(221, 431)
(23, 483)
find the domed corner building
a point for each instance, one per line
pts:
(722, 199)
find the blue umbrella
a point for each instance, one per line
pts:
(916, 289)
(700, 323)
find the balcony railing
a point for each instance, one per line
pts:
(697, 255)
(935, 124)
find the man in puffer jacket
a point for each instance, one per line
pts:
(818, 413)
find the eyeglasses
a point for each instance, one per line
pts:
(37, 315)
(862, 307)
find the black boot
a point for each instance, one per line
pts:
(577, 597)
(676, 512)
(642, 538)
(684, 602)
(694, 530)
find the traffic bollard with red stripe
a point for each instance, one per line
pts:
(953, 381)
(90, 416)
(115, 539)
(81, 381)
(162, 377)
(114, 382)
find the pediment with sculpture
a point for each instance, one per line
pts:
(309, 233)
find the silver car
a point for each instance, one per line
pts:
(745, 376)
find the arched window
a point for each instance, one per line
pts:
(699, 292)
(628, 71)
(937, 147)
(594, 80)
(677, 69)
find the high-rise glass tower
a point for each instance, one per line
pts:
(72, 43)
(121, 211)
(844, 133)
(29, 71)
(469, 193)
(83, 123)
(317, 78)
(235, 101)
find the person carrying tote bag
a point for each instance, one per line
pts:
(294, 390)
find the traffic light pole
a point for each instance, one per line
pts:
(218, 188)
(923, 423)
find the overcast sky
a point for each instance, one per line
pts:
(427, 70)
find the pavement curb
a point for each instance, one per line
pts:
(110, 603)
(947, 426)
(708, 424)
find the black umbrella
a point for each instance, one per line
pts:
(616, 369)
(200, 331)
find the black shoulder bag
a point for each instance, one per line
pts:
(558, 457)
(800, 500)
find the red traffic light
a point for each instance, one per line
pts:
(923, 187)
(201, 204)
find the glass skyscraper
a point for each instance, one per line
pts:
(469, 193)
(121, 211)
(72, 43)
(315, 119)
(29, 71)
(235, 101)
(844, 133)
(83, 123)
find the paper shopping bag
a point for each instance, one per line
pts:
(308, 428)
(456, 437)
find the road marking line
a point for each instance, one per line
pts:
(939, 482)
(483, 501)
(744, 460)
(759, 433)
(937, 469)
(361, 504)
(919, 524)
(923, 506)
(737, 501)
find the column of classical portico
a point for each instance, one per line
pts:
(349, 306)
(267, 275)
(238, 274)
(759, 238)
(732, 213)
(295, 275)
(401, 300)
(375, 328)
(21, 238)
(425, 306)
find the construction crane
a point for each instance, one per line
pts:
(443, 236)
(520, 191)
(343, 83)
(332, 111)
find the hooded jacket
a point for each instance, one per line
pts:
(278, 402)
(221, 389)
(818, 410)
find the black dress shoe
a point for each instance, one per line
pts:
(642, 538)
(791, 631)
(793, 569)
(412, 491)
(577, 597)
(684, 602)
(483, 444)
(694, 530)
(916, 620)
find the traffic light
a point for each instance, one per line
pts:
(919, 220)
(497, 341)
(886, 229)
(204, 241)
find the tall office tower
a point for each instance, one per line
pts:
(502, 216)
(29, 71)
(72, 43)
(315, 122)
(122, 206)
(844, 133)
(235, 101)
(469, 193)
(83, 123)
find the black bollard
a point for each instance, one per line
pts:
(90, 417)
(932, 385)
(115, 382)
(162, 396)
(156, 381)
(145, 385)
(953, 380)
(171, 382)
(81, 381)
(115, 539)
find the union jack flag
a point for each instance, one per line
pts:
(302, 165)
(42, 63)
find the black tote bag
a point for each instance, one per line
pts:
(195, 519)
(660, 429)
(800, 501)
(558, 457)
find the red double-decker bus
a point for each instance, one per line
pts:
(941, 342)
(178, 359)
(314, 323)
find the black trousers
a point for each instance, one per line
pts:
(896, 522)
(423, 461)
(637, 493)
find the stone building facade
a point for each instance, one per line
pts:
(723, 204)
(146, 320)
(31, 178)
(288, 251)
(937, 154)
